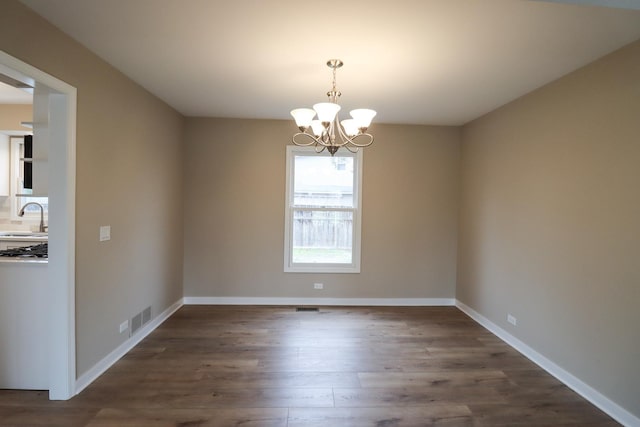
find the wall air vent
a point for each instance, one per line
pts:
(136, 323)
(146, 315)
(140, 319)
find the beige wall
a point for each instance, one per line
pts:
(549, 222)
(12, 114)
(234, 213)
(129, 176)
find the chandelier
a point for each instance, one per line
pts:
(327, 131)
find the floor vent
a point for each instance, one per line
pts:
(307, 309)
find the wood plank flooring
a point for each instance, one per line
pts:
(341, 366)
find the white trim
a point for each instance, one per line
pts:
(62, 243)
(614, 410)
(62, 186)
(417, 302)
(99, 368)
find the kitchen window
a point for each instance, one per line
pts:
(323, 211)
(21, 193)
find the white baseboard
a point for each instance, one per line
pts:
(418, 302)
(614, 410)
(99, 368)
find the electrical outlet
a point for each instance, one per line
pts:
(318, 286)
(124, 326)
(511, 319)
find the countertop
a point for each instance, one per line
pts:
(23, 237)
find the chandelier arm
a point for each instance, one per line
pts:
(313, 140)
(346, 140)
(366, 144)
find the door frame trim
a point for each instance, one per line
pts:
(62, 194)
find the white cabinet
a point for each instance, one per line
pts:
(23, 326)
(4, 165)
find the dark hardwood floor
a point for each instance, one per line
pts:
(273, 366)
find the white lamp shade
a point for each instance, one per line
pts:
(350, 127)
(303, 116)
(363, 117)
(317, 128)
(326, 111)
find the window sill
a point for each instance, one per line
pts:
(322, 269)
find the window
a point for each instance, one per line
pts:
(322, 217)
(20, 195)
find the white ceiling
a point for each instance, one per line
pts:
(414, 61)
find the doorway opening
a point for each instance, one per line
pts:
(60, 99)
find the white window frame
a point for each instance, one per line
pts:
(289, 265)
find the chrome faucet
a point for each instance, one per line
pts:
(43, 228)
